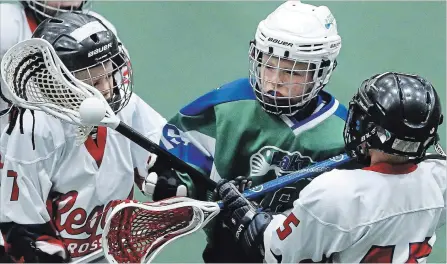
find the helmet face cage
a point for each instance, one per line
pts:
(43, 10)
(304, 79)
(355, 132)
(121, 74)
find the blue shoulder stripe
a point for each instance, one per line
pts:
(327, 106)
(234, 91)
(192, 155)
(322, 111)
(176, 142)
(341, 112)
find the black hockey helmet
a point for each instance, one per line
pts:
(396, 113)
(84, 42)
(43, 9)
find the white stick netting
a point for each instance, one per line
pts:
(32, 75)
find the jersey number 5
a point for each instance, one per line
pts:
(291, 219)
(378, 254)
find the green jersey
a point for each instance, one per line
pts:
(226, 133)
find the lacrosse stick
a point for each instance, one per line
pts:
(38, 80)
(136, 232)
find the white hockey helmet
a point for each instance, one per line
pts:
(300, 34)
(49, 8)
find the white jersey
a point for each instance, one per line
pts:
(16, 26)
(68, 186)
(381, 214)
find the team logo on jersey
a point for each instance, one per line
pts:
(271, 158)
(84, 229)
(172, 137)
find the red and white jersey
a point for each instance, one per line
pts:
(380, 214)
(69, 186)
(16, 26)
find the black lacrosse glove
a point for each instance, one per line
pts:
(241, 182)
(168, 185)
(163, 182)
(241, 217)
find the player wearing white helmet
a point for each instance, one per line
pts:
(387, 212)
(292, 56)
(56, 191)
(277, 121)
(18, 22)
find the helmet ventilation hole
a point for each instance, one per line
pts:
(56, 21)
(95, 38)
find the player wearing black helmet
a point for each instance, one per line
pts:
(395, 113)
(87, 50)
(18, 22)
(54, 199)
(387, 212)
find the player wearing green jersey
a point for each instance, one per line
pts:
(277, 121)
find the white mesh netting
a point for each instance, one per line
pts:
(33, 79)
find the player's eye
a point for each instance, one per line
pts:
(267, 67)
(290, 72)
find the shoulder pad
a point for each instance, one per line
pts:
(48, 133)
(234, 91)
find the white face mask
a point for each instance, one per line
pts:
(284, 86)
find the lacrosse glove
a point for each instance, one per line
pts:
(243, 219)
(162, 181)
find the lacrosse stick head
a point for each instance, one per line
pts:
(135, 232)
(39, 77)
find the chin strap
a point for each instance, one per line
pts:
(438, 147)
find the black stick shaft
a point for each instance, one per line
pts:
(171, 159)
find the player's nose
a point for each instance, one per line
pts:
(275, 87)
(270, 83)
(103, 85)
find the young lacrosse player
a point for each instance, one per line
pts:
(277, 121)
(387, 212)
(18, 22)
(56, 189)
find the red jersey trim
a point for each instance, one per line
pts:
(31, 22)
(97, 151)
(387, 168)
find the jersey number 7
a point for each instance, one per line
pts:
(15, 187)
